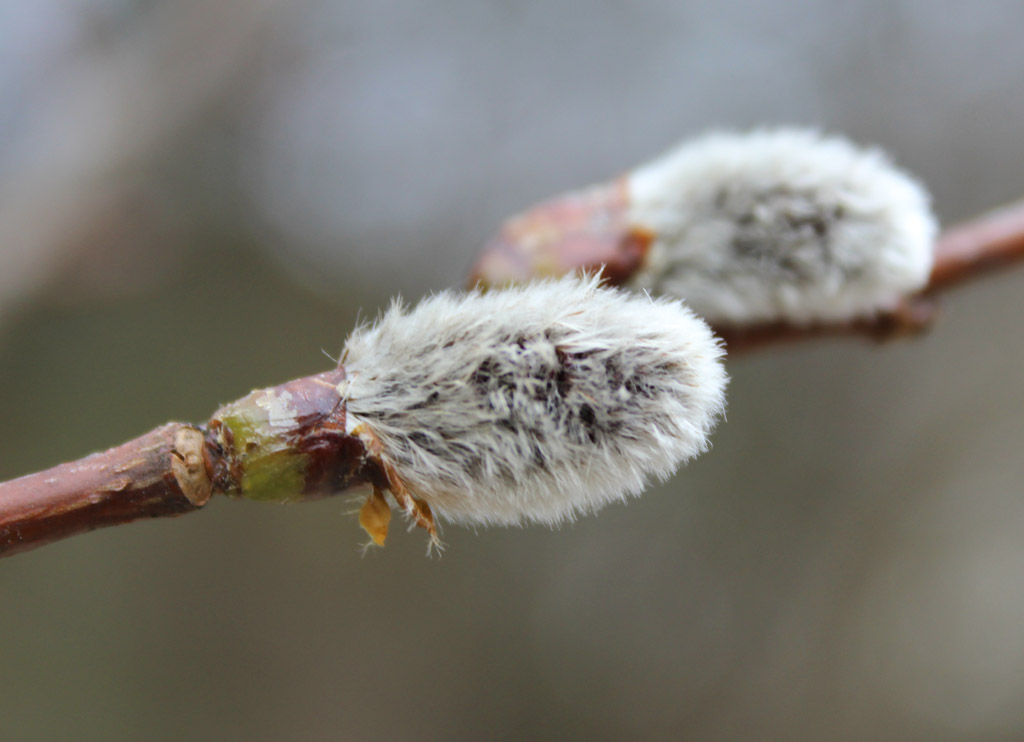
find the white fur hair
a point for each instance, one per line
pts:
(782, 224)
(535, 403)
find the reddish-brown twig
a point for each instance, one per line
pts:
(283, 444)
(966, 251)
(158, 474)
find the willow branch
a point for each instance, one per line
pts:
(290, 443)
(158, 474)
(969, 250)
(283, 444)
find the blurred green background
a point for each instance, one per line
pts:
(199, 198)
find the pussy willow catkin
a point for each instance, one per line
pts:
(535, 403)
(782, 225)
(774, 225)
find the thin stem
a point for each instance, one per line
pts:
(158, 474)
(910, 318)
(989, 242)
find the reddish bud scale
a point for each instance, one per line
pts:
(288, 444)
(590, 229)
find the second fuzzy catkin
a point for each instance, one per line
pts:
(772, 226)
(535, 403)
(781, 224)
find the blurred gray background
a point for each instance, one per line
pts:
(198, 198)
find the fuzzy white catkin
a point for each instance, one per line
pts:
(535, 403)
(781, 224)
